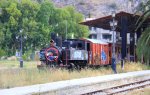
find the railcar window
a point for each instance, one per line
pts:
(80, 45)
(66, 44)
(73, 45)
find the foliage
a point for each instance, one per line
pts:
(27, 55)
(37, 19)
(67, 21)
(143, 44)
(2, 53)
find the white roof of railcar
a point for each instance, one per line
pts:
(97, 41)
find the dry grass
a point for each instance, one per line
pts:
(27, 76)
(20, 77)
(132, 66)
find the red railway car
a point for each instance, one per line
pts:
(98, 53)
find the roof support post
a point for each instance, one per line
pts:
(124, 29)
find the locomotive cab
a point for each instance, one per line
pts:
(74, 52)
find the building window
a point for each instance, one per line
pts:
(93, 36)
(106, 36)
(92, 28)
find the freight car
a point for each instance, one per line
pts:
(77, 52)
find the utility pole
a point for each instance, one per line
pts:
(113, 25)
(66, 30)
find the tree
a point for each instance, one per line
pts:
(143, 44)
(9, 22)
(67, 22)
(37, 19)
(44, 18)
(16, 16)
(28, 22)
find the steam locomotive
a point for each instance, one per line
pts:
(76, 53)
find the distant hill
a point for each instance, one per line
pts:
(97, 8)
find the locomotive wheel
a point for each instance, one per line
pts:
(71, 66)
(78, 67)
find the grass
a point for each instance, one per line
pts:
(29, 75)
(15, 64)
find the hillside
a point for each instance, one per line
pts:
(96, 8)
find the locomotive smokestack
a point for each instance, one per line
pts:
(59, 41)
(53, 36)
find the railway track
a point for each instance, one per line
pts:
(120, 88)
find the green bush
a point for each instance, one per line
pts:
(2, 53)
(26, 55)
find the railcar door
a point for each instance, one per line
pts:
(89, 52)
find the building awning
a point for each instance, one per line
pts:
(103, 22)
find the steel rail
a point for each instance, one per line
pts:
(111, 90)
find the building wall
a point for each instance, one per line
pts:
(101, 34)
